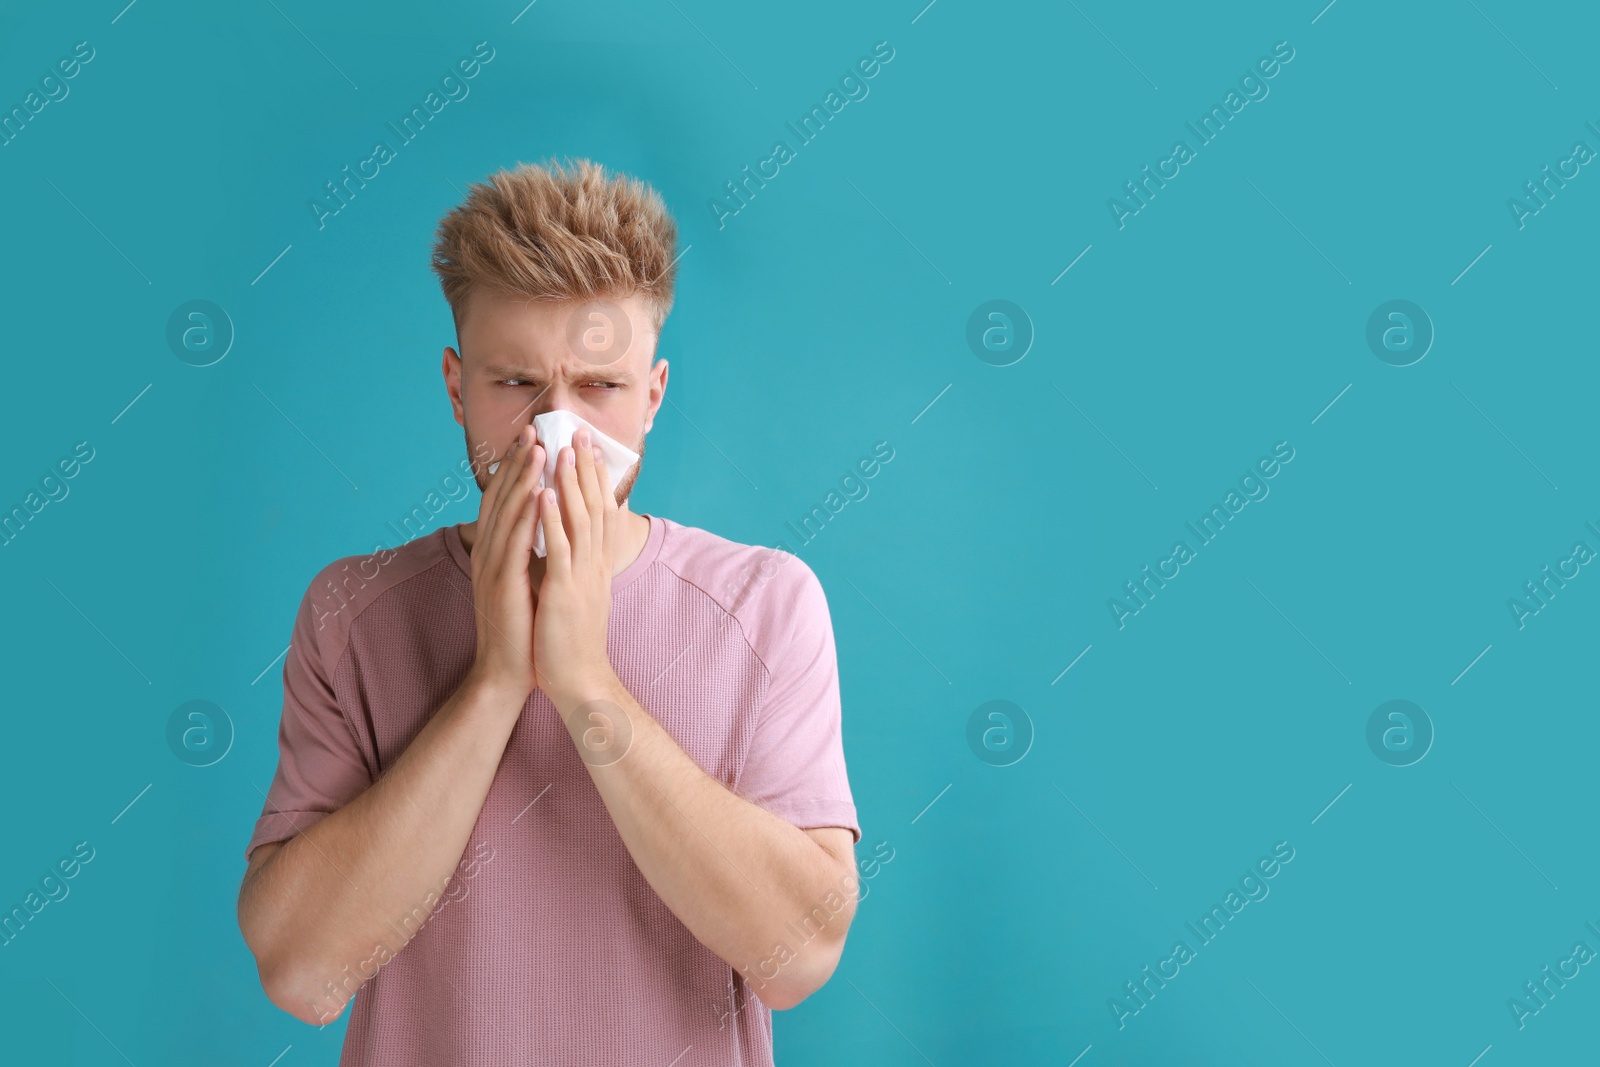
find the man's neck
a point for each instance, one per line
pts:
(633, 532)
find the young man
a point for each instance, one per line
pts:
(588, 807)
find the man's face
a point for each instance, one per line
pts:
(520, 358)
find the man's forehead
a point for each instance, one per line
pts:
(496, 339)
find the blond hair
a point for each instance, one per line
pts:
(558, 233)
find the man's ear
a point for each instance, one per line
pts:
(451, 367)
(658, 388)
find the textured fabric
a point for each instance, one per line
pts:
(549, 947)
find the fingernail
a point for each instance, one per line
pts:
(597, 456)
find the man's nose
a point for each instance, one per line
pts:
(548, 403)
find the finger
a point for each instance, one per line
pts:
(588, 461)
(519, 538)
(514, 470)
(509, 553)
(507, 507)
(608, 506)
(496, 489)
(557, 550)
(574, 508)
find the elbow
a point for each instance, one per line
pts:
(801, 976)
(290, 983)
(290, 991)
(783, 999)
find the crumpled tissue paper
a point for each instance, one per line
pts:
(555, 430)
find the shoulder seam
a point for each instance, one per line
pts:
(375, 598)
(743, 635)
(331, 666)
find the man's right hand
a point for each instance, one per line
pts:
(502, 590)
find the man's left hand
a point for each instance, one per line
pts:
(581, 520)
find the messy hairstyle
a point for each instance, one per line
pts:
(558, 233)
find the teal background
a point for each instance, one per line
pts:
(828, 315)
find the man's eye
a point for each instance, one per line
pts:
(513, 383)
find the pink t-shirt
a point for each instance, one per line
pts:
(548, 946)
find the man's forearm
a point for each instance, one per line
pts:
(339, 893)
(740, 878)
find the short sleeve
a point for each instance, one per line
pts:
(321, 767)
(795, 766)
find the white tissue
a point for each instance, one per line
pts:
(555, 430)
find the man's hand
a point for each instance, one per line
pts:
(580, 519)
(502, 591)
(313, 909)
(680, 825)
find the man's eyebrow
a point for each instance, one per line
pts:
(595, 373)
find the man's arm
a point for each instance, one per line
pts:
(322, 911)
(742, 880)
(327, 907)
